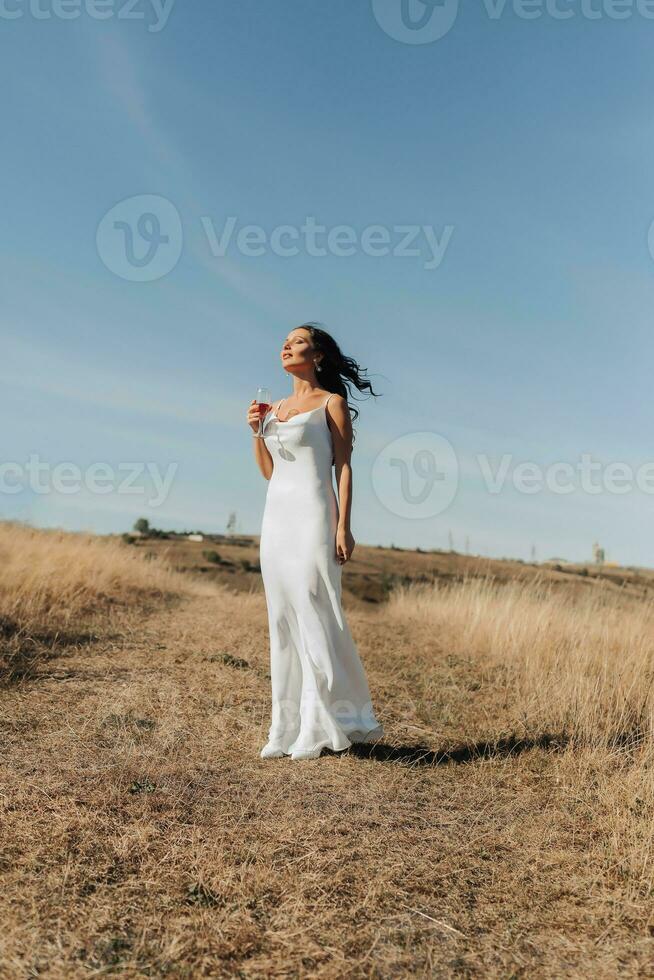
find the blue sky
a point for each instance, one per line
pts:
(531, 140)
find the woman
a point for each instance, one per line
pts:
(320, 693)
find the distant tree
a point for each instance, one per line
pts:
(142, 525)
(212, 556)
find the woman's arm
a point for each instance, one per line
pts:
(261, 454)
(340, 423)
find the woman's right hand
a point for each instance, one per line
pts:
(253, 416)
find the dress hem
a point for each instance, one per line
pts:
(366, 737)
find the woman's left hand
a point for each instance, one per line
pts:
(344, 545)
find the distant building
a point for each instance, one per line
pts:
(196, 537)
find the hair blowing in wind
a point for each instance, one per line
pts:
(338, 372)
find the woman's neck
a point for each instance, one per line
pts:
(302, 389)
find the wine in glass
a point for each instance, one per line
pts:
(264, 404)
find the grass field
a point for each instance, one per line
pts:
(502, 828)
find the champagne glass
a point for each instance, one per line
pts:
(264, 404)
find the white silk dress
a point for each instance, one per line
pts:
(320, 693)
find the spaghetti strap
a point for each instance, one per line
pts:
(327, 402)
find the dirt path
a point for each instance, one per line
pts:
(142, 835)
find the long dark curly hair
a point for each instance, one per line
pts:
(337, 371)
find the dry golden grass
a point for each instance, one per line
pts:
(52, 580)
(581, 664)
(487, 836)
(62, 574)
(576, 667)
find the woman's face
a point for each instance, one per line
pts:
(297, 353)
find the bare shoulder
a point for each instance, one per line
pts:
(337, 408)
(336, 402)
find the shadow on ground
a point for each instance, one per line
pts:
(422, 755)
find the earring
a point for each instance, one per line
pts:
(318, 368)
